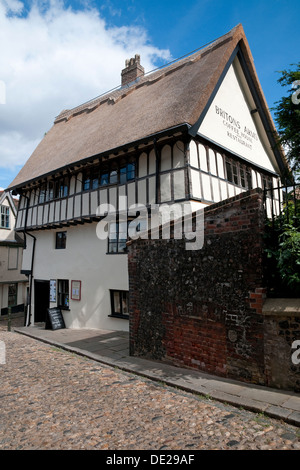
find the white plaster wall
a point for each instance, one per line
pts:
(84, 259)
(234, 127)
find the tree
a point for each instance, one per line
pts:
(287, 117)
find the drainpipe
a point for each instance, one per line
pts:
(28, 316)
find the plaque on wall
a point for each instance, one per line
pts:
(76, 290)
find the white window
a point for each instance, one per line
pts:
(4, 221)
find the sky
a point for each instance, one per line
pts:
(57, 54)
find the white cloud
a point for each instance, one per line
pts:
(56, 58)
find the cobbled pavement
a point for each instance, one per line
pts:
(52, 399)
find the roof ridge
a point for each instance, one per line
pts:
(119, 92)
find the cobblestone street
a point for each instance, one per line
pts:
(52, 399)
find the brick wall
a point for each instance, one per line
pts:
(203, 309)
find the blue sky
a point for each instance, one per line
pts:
(57, 54)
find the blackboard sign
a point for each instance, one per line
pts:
(55, 319)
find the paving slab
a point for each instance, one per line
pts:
(100, 345)
(292, 403)
(272, 397)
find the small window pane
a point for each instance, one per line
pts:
(131, 171)
(51, 191)
(123, 174)
(229, 172)
(61, 240)
(86, 183)
(113, 247)
(243, 177)
(117, 237)
(121, 246)
(113, 231)
(123, 230)
(113, 177)
(117, 304)
(63, 293)
(42, 195)
(125, 309)
(95, 182)
(104, 178)
(235, 173)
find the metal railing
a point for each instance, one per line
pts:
(282, 203)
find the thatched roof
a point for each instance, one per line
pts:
(172, 96)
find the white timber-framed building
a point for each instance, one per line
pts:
(197, 130)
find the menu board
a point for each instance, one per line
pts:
(56, 320)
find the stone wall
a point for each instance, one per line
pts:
(282, 354)
(203, 309)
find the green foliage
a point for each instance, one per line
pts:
(287, 117)
(282, 243)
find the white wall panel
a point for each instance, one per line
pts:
(179, 184)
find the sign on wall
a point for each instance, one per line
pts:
(52, 290)
(233, 122)
(75, 290)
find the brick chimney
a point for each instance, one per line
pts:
(132, 71)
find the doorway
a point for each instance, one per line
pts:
(41, 300)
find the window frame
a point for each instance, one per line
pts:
(117, 241)
(110, 174)
(238, 174)
(114, 312)
(91, 179)
(63, 294)
(62, 242)
(43, 194)
(4, 217)
(61, 188)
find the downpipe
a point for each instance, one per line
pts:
(29, 312)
